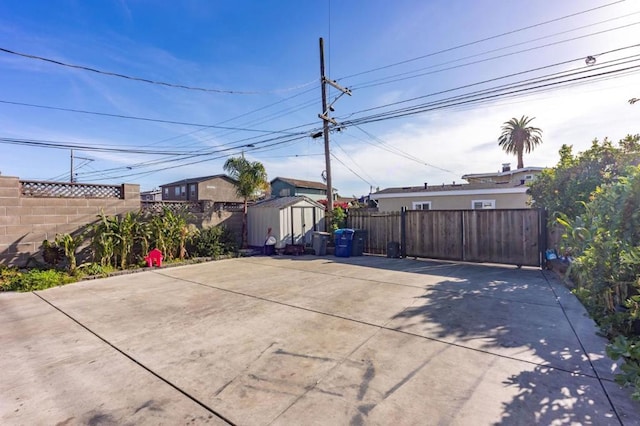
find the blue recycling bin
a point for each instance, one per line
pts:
(343, 242)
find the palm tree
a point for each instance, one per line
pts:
(250, 178)
(518, 137)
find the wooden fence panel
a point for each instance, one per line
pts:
(495, 236)
(434, 234)
(502, 236)
(381, 228)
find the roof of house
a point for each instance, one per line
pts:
(298, 183)
(410, 190)
(499, 173)
(197, 180)
(282, 202)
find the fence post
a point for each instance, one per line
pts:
(403, 232)
(463, 230)
(542, 235)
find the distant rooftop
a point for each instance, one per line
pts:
(298, 183)
(196, 180)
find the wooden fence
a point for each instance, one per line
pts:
(381, 228)
(498, 236)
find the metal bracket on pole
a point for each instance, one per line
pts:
(337, 86)
(329, 119)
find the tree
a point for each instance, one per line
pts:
(250, 178)
(518, 137)
(571, 183)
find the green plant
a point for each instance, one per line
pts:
(51, 253)
(69, 245)
(577, 176)
(37, 279)
(169, 232)
(629, 351)
(213, 242)
(338, 218)
(7, 275)
(250, 178)
(94, 269)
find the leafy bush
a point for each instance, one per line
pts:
(213, 242)
(605, 243)
(37, 279)
(338, 218)
(629, 350)
(94, 269)
(576, 177)
(7, 275)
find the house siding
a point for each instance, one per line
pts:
(454, 202)
(218, 189)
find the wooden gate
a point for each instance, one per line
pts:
(381, 228)
(497, 236)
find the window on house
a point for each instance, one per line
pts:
(183, 189)
(177, 191)
(483, 204)
(528, 177)
(166, 191)
(422, 205)
(192, 190)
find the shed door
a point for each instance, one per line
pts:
(303, 224)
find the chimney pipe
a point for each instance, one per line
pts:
(425, 185)
(506, 167)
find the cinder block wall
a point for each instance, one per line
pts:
(26, 221)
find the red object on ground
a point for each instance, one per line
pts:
(154, 256)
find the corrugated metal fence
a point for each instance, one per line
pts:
(498, 236)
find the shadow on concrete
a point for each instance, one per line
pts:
(511, 313)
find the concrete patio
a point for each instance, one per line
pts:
(308, 340)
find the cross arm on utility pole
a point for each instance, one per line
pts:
(335, 84)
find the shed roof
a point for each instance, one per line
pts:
(282, 202)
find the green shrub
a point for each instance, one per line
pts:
(629, 351)
(213, 242)
(94, 269)
(7, 275)
(37, 279)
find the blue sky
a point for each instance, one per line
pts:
(260, 62)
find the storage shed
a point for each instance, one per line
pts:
(292, 220)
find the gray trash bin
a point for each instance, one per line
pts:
(393, 249)
(357, 246)
(319, 242)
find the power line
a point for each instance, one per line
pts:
(394, 150)
(193, 162)
(70, 145)
(460, 46)
(350, 169)
(238, 144)
(364, 172)
(146, 80)
(439, 105)
(412, 74)
(493, 80)
(129, 117)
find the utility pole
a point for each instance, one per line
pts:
(325, 124)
